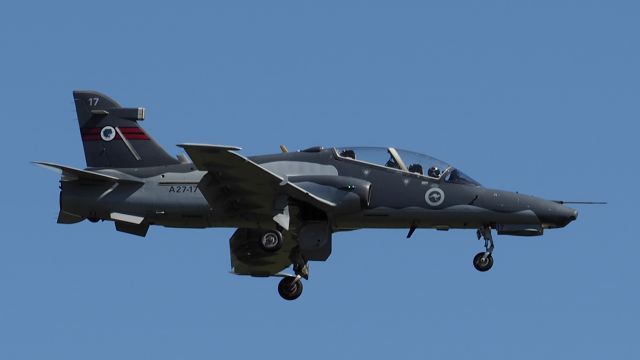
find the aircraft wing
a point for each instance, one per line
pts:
(244, 186)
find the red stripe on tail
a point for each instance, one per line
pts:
(130, 133)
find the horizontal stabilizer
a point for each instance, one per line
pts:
(65, 217)
(70, 173)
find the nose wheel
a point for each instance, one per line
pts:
(290, 287)
(483, 261)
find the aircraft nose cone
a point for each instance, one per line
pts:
(554, 215)
(564, 215)
(574, 216)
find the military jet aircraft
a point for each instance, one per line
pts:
(285, 206)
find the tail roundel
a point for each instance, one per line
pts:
(112, 136)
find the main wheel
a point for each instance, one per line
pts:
(482, 263)
(290, 289)
(271, 241)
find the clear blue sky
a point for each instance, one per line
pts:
(538, 96)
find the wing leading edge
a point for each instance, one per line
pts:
(253, 187)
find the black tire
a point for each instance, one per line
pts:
(271, 241)
(289, 289)
(480, 264)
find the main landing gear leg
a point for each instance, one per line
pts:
(483, 261)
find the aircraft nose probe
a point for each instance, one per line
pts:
(574, 213)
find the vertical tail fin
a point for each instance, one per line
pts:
(111, 135)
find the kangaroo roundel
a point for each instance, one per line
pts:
(108, 133)
(434, 196)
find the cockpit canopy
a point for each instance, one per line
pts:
(407, 161)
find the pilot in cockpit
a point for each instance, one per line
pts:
(434, 172)
(348, 154)
(416, 168)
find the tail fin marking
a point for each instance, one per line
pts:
(111, 135)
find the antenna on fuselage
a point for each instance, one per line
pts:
(283, 149)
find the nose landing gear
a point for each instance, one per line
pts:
(483, 261)
(290, 287)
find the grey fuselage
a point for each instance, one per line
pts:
(171, 196)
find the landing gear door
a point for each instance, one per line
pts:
(314, 240)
